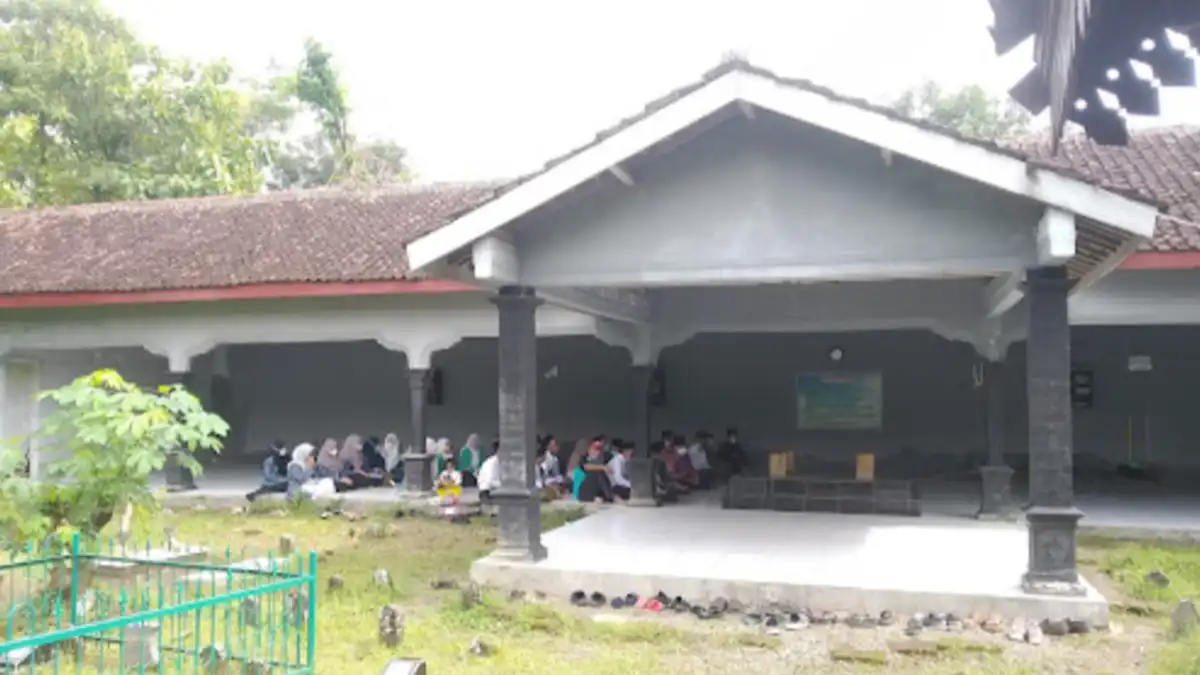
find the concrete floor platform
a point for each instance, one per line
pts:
(821, 561)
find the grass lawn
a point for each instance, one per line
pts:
(550, 636)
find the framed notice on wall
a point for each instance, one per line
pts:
(839, 401)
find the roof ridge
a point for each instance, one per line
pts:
(223, 201)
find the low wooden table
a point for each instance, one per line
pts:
(823, 495)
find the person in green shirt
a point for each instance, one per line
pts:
(470, 457)
(441, 453)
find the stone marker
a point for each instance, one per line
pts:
(391, 625)
(140, 651)
(295, 606)
(249, 612)
(472, 594)
(382, 578)
(256, 668)
(1157, 578)
(376, 531)
(213, 659)
(1185, 618)
(287, 544)
(914, 626)
(169, 535)
(336, 582)
(480, 648)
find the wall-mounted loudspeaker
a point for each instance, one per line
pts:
(658, 387)
(434, 392)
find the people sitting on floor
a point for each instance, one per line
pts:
(329, 465)
(665, 487)
(552, 474)
(302, 477)
(274, 471)
(469, 459)
(392, 464)
(488, 477)
(354, 466)
(449, 477)
(618, 471)
(698, 454)
(441, 454)
(732, 457)
(679, 464)
(373, 462)
(591, 479)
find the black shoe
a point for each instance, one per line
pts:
(579, 599)
(598, 599)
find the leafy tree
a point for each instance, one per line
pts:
(108, 436)
(970, 110)
(88, 113)
(332, 154)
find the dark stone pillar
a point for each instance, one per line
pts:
(418, 464)
(996, 477)
(1053, 518)
(641, 467)
(179, 478)
(517, 500)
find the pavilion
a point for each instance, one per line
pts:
(735, 233)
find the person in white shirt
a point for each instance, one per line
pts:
(698, 454)
(618, 472)
(489, 477)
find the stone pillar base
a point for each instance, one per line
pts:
(995, 497)
(641, 476)
(1052, 568)
(418, 473)
(179, 479)
(519, 525)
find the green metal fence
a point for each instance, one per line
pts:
(89, 608)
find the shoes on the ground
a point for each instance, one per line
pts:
(631, 599)
(579, 599)
(598, 599)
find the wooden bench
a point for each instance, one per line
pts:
(823, 495)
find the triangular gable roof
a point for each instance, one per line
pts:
(738, 82)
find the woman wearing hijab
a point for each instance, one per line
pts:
(441, 453)
(329, 465)
(274, 472)
(391, 457)
(353, 466)
(469, 459)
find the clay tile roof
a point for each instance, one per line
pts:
(1163, 162)
(212, 242)
(341, 236)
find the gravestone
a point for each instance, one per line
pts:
(1185, 618)
(141, 646)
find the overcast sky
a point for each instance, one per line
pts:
(491, 88)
